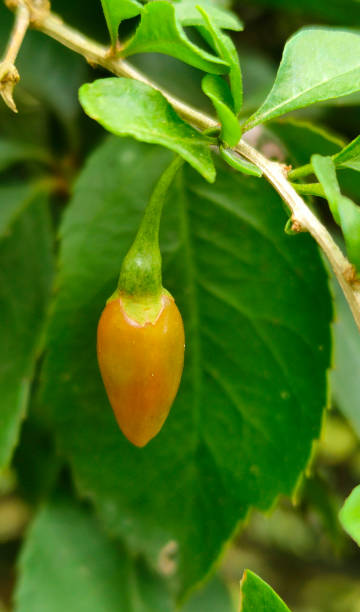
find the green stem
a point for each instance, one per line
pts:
(140, 274)
(300, 172)
(310, 189)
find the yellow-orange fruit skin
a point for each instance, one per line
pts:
(141, 366)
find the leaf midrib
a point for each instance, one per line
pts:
(262, 117)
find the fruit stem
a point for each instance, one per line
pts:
(140, 274)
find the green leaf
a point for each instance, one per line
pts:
(116, 11)
(258, 596)
(67, 563)
(160, 32)
(344, 375)
(226, 49)
(350, 515)
(239, 163)
(317, 64)
(350, 224)
(256, 309)
(345, 212)
(13, 152)
(130, 108)
(219, 93)
(188, 14)
(324, 169)
(349, 156)
(36, 472)
(25, 276)
(259, 72)
(14, 199)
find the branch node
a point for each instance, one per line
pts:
(296, 226)
(285, 169)
(351, 276)
(114, 50)
(38, 9)
(91, 62)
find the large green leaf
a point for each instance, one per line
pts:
(256, 308)
(130, 108)
(25, 275)
(317, 64)
(161, 32)
(257, 596)
(68, 564)
(117, 10)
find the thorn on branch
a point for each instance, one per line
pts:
(28, 12)
(9, 76)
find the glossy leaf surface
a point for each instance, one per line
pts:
(258, 596)
(256, 309)
(318, 64)
(116, 11)
(130, 108)
(349, 156)
(161, 32)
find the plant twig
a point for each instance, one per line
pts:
(275, 173)
(9, 75)
(305, 218)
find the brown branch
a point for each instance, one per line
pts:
(9, 75)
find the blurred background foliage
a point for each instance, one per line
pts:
(299, 548)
